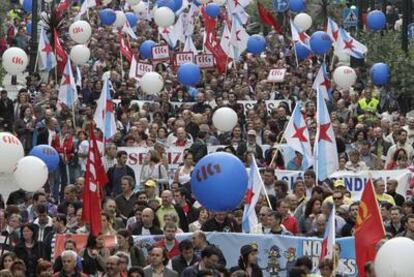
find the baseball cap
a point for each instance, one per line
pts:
(247, 249)
(251, 132)
(339, 183)
(150, 183)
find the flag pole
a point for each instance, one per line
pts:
(296, 54)
(263, 185)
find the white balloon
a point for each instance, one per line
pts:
(31, 173)
(303, 21)
(11, 151)
(80, 54)
(344, 76)
(133, 2)
(80, 31)
(15, 60)
(140, 8)
(152, 83)
(164, 17)
(120, 19)
(225, 119)
(395, 258)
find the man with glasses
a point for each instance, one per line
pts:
(263, 226)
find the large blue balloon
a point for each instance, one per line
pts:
(376, 20)
(297, 6)
(256, 44)
(219, 181)
(132, 19)
(213, 9)
(189, 74)
(47, 154)
(380, 73)
(302, 52)
(107, 16)
(320, 43)
(27, 6)
(178, 4)
(146, 49)
(166, 3)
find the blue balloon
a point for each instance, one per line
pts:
(380, 74)
(376, 20)
(29, 28)
(213, 9)
(47, 154)
(219, 181)
(189, 74)
(178, 4)
(320, 43)
(107, 16)
(27, 6)
(297, 6)
(146, 49)
(166, 3)
(256, 44)
(132, 19)
(302, 52)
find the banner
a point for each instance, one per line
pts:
(355, 181)
(143, 68)
(136, 159)
(205, 61)
(184, 57)
(277, 75)
(160, 53)
(277, 254)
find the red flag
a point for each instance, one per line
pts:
(268, 18)
(124, 48)
(219, 55)
(209, 22)
(95, 180)
(369, 228)
(61, 55)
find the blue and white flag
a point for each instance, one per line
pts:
(67, 91)
(323, 83)
(254, 188)
(350, 46)
(47, 58)
(104, 114)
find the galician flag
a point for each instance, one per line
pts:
(328, 242)
(67, 91)
(47, 58)
(323, 83)
(104, 114)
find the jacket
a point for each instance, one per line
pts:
(137, 230)
(179, 264)
(111, 188)
(38, 251)
(167, 272)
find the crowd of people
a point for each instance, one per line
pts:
(371, 133)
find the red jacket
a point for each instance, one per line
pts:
(174, 252)
(65, 148)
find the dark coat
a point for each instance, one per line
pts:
(179, 264)
(110, 187)
(154, 230)
(7, 114)
(37, 252)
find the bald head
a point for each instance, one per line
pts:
(167, 198)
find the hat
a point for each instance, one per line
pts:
(150, 183)
(247, 249)
(339, 183)
(251, 132)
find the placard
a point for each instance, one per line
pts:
(205, 61)
(143, 68)
(161, 53)
(277, 75)
(184, 57)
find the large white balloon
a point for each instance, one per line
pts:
(120, 19)
(344, 76)
(303, 21)
(80, 54)
(11, 151)
(31, 173)
(15, 60)
(133, 2)
(164, 17)
(225, 119)
(395, 258)
(80, 31)
(152, 83)
(140, 8)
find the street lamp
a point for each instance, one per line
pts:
(33, 39)
(407, 19)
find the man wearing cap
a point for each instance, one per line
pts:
(150, 188)
(250, 146)
(248, 261)
(339, 186)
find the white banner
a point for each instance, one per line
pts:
(143, 68)
(205, 61)
(355, 181)
(160, 53)
(277, 75)
(184, 57)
